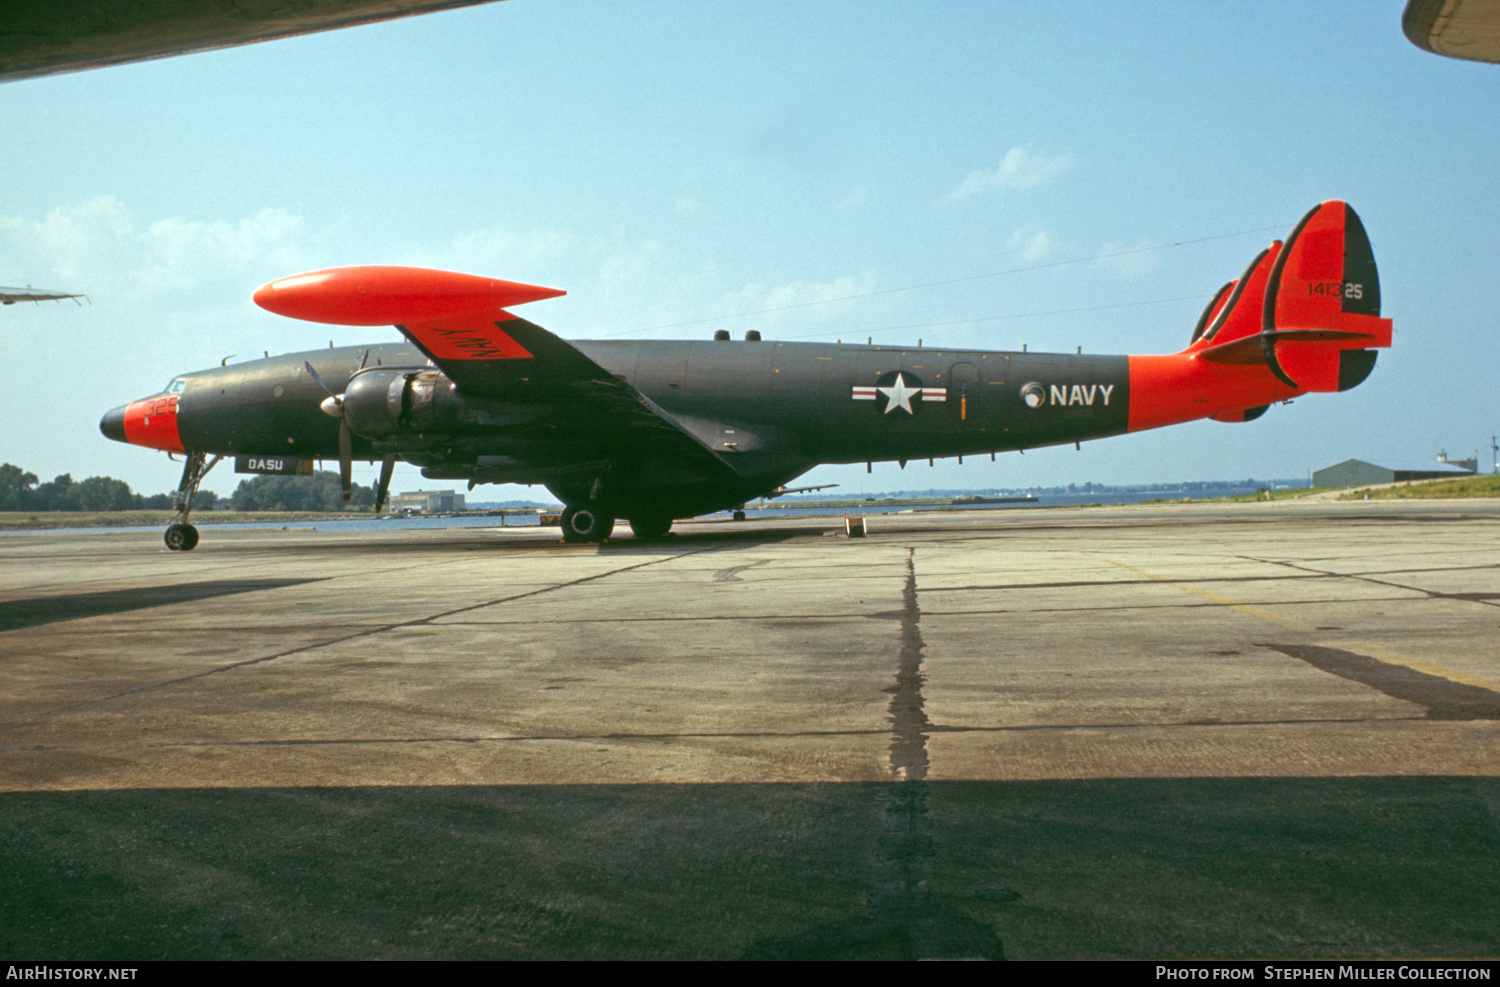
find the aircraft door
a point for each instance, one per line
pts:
(964, 392)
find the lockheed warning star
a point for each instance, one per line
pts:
(652, 431)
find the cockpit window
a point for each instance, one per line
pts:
(176, 386)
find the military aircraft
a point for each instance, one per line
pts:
(9, 296)
(653, 431)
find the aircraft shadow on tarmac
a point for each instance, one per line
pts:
(1193, 867)
(15, 614)
(500, 539)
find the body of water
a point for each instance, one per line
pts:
(779, 510)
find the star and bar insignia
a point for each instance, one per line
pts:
(899, 389)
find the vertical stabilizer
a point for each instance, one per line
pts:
(1321, 320)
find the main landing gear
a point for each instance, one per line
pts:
(651, 526)
(586, 522)
(181, 536)
(590, 522)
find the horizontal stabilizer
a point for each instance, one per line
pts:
(1251, 350)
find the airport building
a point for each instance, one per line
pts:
(1363, 473)
(428, 501)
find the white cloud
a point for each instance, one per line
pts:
(857, 197)
(493, 252)
(1031, 244)
(96, 245)
(798, 303)
(1017, 170)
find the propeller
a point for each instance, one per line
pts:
(333, 406)
(387, 467)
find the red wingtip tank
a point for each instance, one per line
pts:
(382, 296)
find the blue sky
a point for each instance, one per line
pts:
(667, 163)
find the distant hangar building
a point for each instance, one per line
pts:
(1363, 473)
(428, 501)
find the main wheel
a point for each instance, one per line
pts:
(586, 523)
(739, 515)
(651, 525)
(181, 537)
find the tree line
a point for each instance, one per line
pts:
(20, 490)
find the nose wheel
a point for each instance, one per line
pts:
(181, 536)
(586, 522)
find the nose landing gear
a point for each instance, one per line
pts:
(181, 536)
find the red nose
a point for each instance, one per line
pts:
(151, 423)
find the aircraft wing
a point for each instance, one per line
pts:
(9, 296)
(783, 491)
(460, 323)
(1466, 29)
(538, 367)
(40, 37)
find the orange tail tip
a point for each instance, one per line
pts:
(1305, 316)
(1321, 322)
(380, 296)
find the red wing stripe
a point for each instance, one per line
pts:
(466, 337)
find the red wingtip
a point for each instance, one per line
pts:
(377, 296)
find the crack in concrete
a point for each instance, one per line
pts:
(905, 916)
(1487, 598)
(1198, 724)
(904, 924)
(731, 575)
(908, 718)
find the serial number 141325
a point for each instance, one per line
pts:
(1334, 289)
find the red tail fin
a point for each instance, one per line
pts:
(1305, 316)
(1240, 315)
(1321, 321)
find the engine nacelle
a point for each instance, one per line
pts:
(373, 402)
(381, 404)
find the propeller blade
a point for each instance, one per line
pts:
(387, 467)
(346, 458)
(323, 384)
